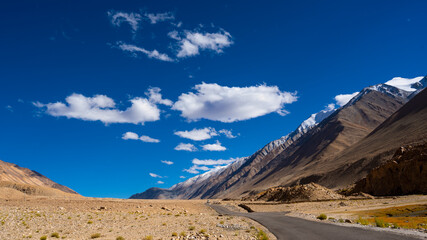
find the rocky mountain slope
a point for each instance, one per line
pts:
(14, 175)
(404, 174)
(302, 156)
(407, 126)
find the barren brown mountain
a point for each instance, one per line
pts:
(14, 178)
(407, 126)
(304, 157)
(312, 156)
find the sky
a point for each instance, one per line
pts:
(113, 97)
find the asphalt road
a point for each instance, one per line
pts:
(285, 227)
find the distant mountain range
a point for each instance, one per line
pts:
(24, 179)
(334, 147)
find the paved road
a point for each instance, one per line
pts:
(285, 227)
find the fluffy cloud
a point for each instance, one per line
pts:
(155, 175)
(154, 96)
(214, 147)
(159, 17)
(149, 139)
(182, 177)
(117, 18)
(102, 108)
(206, 165)
(343, 99)
(160, 182)
(150, 54)
(203, 133)
(193, 42)
(227, 133)
(195, 169)
(198, 134)
(130, 135)
(213, 162)
(167, 162)
(230, 104)
(134, 136)
(186, 147)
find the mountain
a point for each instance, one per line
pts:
(406, 126)
(310, 157)
(13, 175)
(302, 156)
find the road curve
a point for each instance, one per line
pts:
(286, 227)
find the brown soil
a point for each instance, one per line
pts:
(82, 218)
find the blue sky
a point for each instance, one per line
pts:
(76, 77)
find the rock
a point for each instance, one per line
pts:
(298, 193)
(348, 221)
(342, 204)
(102, 208)
(404, 174)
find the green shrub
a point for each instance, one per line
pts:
(43, 237)
(191, 228)
(202, 231)
(379, 223)
(149, 237)
(363, 221)
(120, 238)
(95, 235)
(183, 234)
(55, 235)
(262, 235)
(221, 222)
(89, 222)
(322, 217)
(174, 234)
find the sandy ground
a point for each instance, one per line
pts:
(346, 209)
(89, 218)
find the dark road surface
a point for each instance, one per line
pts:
(285, 227)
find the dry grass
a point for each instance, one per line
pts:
(412, 216)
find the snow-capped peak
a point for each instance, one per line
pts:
(316, 118)
(407, 84)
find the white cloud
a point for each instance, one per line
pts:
(159, 17)
(9, 108)
(150, 54)
(102, 108)
(160, 182)
(230, 104)
(154, 96)
(343, 99)
(198, 134)
(186, 147)
(130, 135)
(404, 83)
(182, 177)
(174, 35)
(202, 165)
(195, 169)
(149, 139)
(227, 133)
(213, 162)
(167, 162)
(155, 175)
(134, 136)
(214, 147)
(117, 18)
(193, 42)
